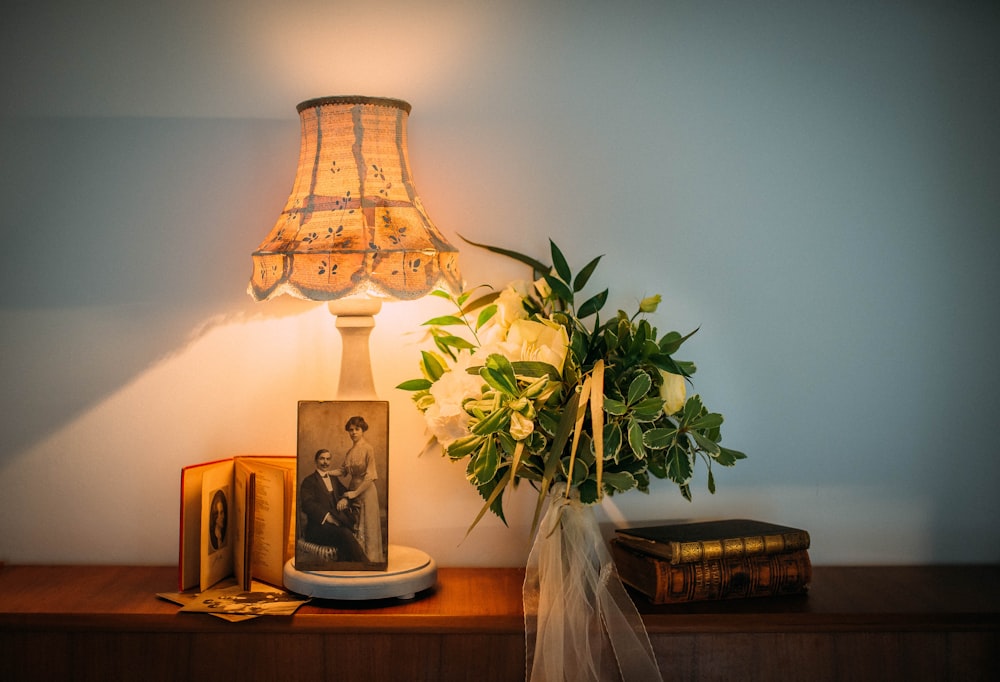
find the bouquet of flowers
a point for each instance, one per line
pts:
(526, 384)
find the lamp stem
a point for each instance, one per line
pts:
(355, 321)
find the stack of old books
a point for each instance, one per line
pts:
(725, 559)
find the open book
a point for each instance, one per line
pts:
(237, 519)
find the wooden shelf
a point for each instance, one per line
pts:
(856, 623)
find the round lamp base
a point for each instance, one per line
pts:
(409, 571)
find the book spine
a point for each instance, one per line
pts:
(730, 548)
(759, 576)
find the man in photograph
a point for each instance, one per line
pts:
(326, 524)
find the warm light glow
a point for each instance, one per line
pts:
(353, 223)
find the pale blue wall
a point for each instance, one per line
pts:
(815, 185)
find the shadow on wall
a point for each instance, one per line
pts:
(123, 236)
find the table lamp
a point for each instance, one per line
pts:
(354, 233)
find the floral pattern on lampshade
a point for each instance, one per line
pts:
(353, 223)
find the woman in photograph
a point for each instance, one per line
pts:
(359, 468)
(217, 521)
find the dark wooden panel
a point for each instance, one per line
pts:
(860, 623)
(482, 657)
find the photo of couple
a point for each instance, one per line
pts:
(342, 495)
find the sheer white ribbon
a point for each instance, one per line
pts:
(580, 623)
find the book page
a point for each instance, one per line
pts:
(243, 511)
(190, 528)
(269, 524)
(216, 525)
(189, 560)
(288, 465)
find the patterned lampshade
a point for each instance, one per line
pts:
(353, 223)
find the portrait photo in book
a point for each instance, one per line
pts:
(218, 520)
(342, 469)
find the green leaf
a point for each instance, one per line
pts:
(612, 440)
(666, 363)
(444, 321)
(451, 340)
(535, 369)
(441, 293)
(692, 408)
(687, 368)
(535, 443)
(610, 338)
(648, 410)
(485, 314)
(494, 492)
(578, 344)
(635, 439)
(585, 451)
(679, 465)
(549, 420)
(657, 439)
(497, 420)
(559, 263)
(711, 481)
(658, 463)
(615, 407)
(671, 341)
(478, 303)
(415, 385)
(559, 289)
(639, 387)
(506, 442)
(618, 481)
(483, 467)
(624, 332)
(565, 427)
(499, 373)
(685, 491)
(463, 446)
(712, 420)
(593, 304)
(584, 275)
(535, 265)
(727, 457)
(642, 482)
(705, 444)
(579, 474)
(588, 491)
(445, 348)
(642, 332)
(432, 366)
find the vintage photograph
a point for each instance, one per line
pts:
(218, 521)
(343, 478)
(229, 601)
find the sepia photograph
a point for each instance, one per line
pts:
(232, 602)
(343, 476)
(218, 521)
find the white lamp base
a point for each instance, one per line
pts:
(409, 571)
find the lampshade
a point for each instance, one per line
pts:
(353, 223)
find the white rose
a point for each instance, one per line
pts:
(539, 341)
(510, 307)
(673, 391)
(446, 428)
(446, 418)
